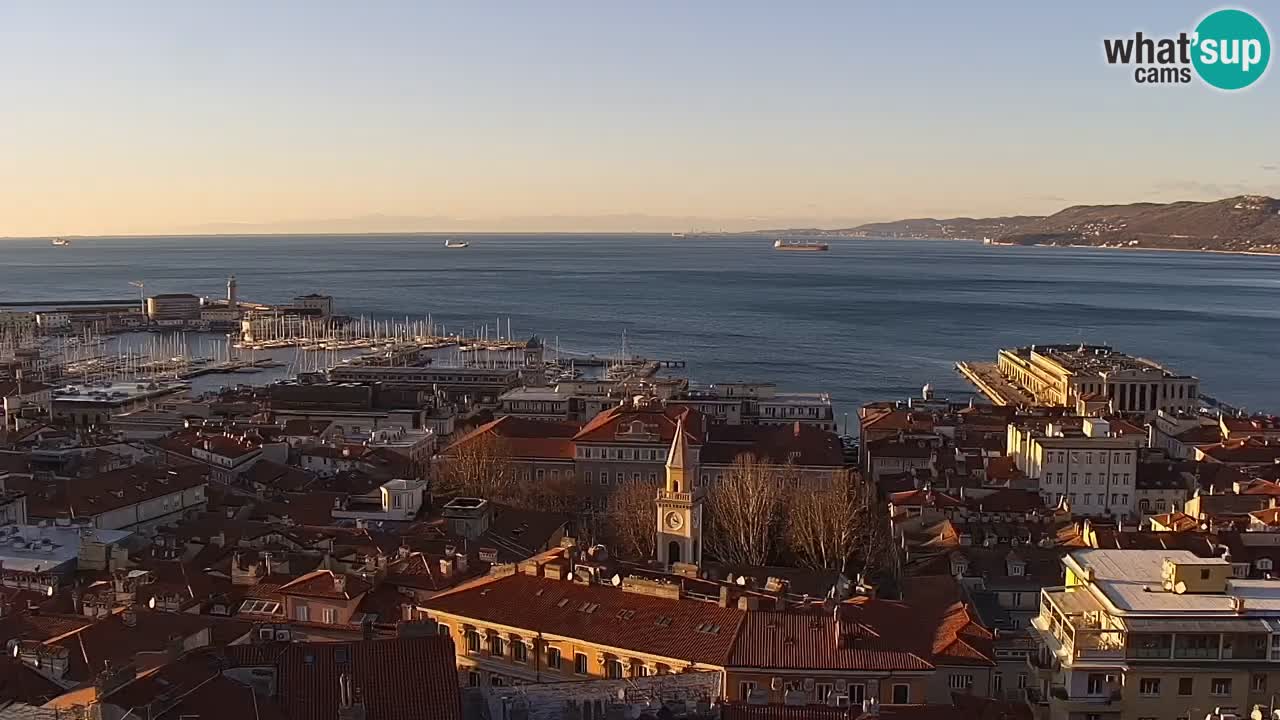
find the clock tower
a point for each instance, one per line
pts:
(679, 507)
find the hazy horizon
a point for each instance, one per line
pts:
(137, 119)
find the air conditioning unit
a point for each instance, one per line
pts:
(282, 634)
(266, 633)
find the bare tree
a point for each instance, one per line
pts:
(479, 467)
(832, 526)
(745, 512)
(632, 519)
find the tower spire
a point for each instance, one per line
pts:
(676, 459)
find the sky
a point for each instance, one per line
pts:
(189, 117)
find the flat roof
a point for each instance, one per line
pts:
(65, 545)
(1130, 580)
(114, 392)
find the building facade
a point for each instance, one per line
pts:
(1136, 634)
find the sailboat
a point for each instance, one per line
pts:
(455, 244)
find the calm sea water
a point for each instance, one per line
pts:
(869, 320)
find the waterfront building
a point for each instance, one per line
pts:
(471, 386)
(53, 321)
(757, 403)
(173, 307)
(1135, 634)
(320, 305)
(1091, 465)
(1062, 375)
(16, 323)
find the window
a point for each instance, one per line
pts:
(620, 478)
(473, 678)
(745, 688)
(823, 693)
(329, 616)
(443, 629)
(1088, 478)
(1160, 504)
(997, 682)
(473, 641)
(1264, 564)
(553, 658)
(902, 694)
(1186, 686)
(1149, 687)
(497, 646)
(580, 663)
(1097, 682)
(959, 682)
(1220, 686)
(519, 651)
(1022, 681)
(613, 669)
(302, 613)
(1258, 683)
(857, 693)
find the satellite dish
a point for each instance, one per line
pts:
(151, 602)
(616, 580)
(1180, 588)
(15, 648)
(48, 591)
(742, 581)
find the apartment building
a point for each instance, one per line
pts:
(1137, 634)
(1093, 467)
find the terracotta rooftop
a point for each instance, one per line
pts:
(689, 630)
(326, 584)
(797, 444)
(864, 635)
(623, 422)
(106, 491)
(395, 679)
(1245, 451)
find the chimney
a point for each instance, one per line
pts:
(796, 429)
(726, 596)
(339, 582)
(446, 567)
(129, 617)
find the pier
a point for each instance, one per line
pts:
(988, 380)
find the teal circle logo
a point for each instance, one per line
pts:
(1232, 49)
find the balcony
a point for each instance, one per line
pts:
(1074, 627)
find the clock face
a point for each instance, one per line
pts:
(674, 520)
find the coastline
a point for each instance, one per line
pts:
(1260, 253)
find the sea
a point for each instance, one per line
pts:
(870, 320)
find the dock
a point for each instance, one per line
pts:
(987, 379)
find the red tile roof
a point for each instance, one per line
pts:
(925, 498)
(395, 679)
(655, 625)
(867, 634)
(525, 439)
(19, 683)
(1246, 451)
(619, 422)
(779, 445)
(324, 584)
(106, 491)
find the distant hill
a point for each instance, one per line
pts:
(1248, 223)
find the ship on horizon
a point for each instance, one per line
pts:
(455, 244)
(801, 245)
(60, 242)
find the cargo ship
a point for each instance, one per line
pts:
(456, 244)
(801, 245)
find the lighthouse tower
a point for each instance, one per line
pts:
(231, 293)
